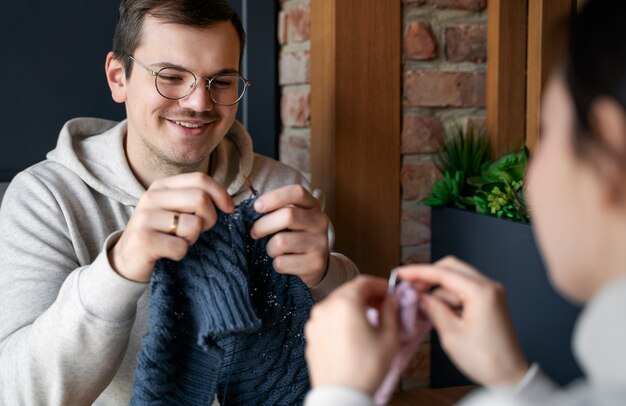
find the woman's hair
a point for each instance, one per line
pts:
(596, 64)
(195, 13)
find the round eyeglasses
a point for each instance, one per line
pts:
(176, 83)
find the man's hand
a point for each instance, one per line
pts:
(470, 314)
(152, 233)
(343, 348)
(300, 245)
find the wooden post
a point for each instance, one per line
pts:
(547, 38)
(356, 125)
(506, 75)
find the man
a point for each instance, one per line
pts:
(82, 230)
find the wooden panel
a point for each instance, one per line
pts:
(506, 74)
(355, 125)
(323, 96)
(546, 44)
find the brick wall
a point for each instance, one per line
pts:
(444, 56)
(294, 36)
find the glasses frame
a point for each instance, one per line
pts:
(156, 74)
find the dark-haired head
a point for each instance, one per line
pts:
(576, 183)
(195, 13)
(596, 64)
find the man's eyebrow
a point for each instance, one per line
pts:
(166, 64)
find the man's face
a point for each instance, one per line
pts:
(165, 136)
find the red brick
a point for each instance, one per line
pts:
(295, 109)
(415, 226)
(296, 152)
(473, 5)
(416, 255)
(419, 41)
(444, 89)
(294, 67)
(421, 134)
(299, 23)
(417, 180)
(466, 43)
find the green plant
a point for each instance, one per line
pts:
(472, 182)
(464, 155)
(499, 190)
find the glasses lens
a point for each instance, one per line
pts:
(174, 83)
(227, 89)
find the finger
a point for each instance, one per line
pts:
(189, 227)
(290, 218)
(201, 181)
(458, 283)
(308, 267)
(184, 225)
(441, 315)
(448, 297)
(389, 318)
(162, 245)
(453, 263)
(296, 195)
(192, 201)
(296, 242)
(365, 289)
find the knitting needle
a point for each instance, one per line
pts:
(393, 282)
(249, 184)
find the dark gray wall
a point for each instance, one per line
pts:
(52, 70)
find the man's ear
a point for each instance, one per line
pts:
(608, 123)
(116, 77)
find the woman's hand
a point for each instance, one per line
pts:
(470, 314)
(343, 348)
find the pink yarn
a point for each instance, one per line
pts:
(414, 326)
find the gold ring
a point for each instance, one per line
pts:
(174, 225)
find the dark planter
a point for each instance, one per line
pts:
(506, 251)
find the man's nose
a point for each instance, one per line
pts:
(199, 99)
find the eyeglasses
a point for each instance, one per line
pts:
(176, 83)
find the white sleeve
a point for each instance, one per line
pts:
(335, 395)
(64, 327)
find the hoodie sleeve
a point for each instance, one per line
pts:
(64, 325)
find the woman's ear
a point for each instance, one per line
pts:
(608, 124)
(116, 77)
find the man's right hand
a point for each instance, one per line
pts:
(148, 235)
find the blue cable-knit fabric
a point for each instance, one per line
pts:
(223, 322)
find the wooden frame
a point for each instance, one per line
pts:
(546, 43)
(356, 124)
(506, 74)
(524, 42)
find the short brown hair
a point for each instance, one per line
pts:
(195, 13)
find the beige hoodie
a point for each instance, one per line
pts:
(70, 327)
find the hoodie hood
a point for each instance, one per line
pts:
(93, 149)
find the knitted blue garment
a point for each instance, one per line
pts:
(222, 321)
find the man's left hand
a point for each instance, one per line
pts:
(300, 244)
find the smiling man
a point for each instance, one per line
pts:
(82, 230)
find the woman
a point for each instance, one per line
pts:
(577, 194)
